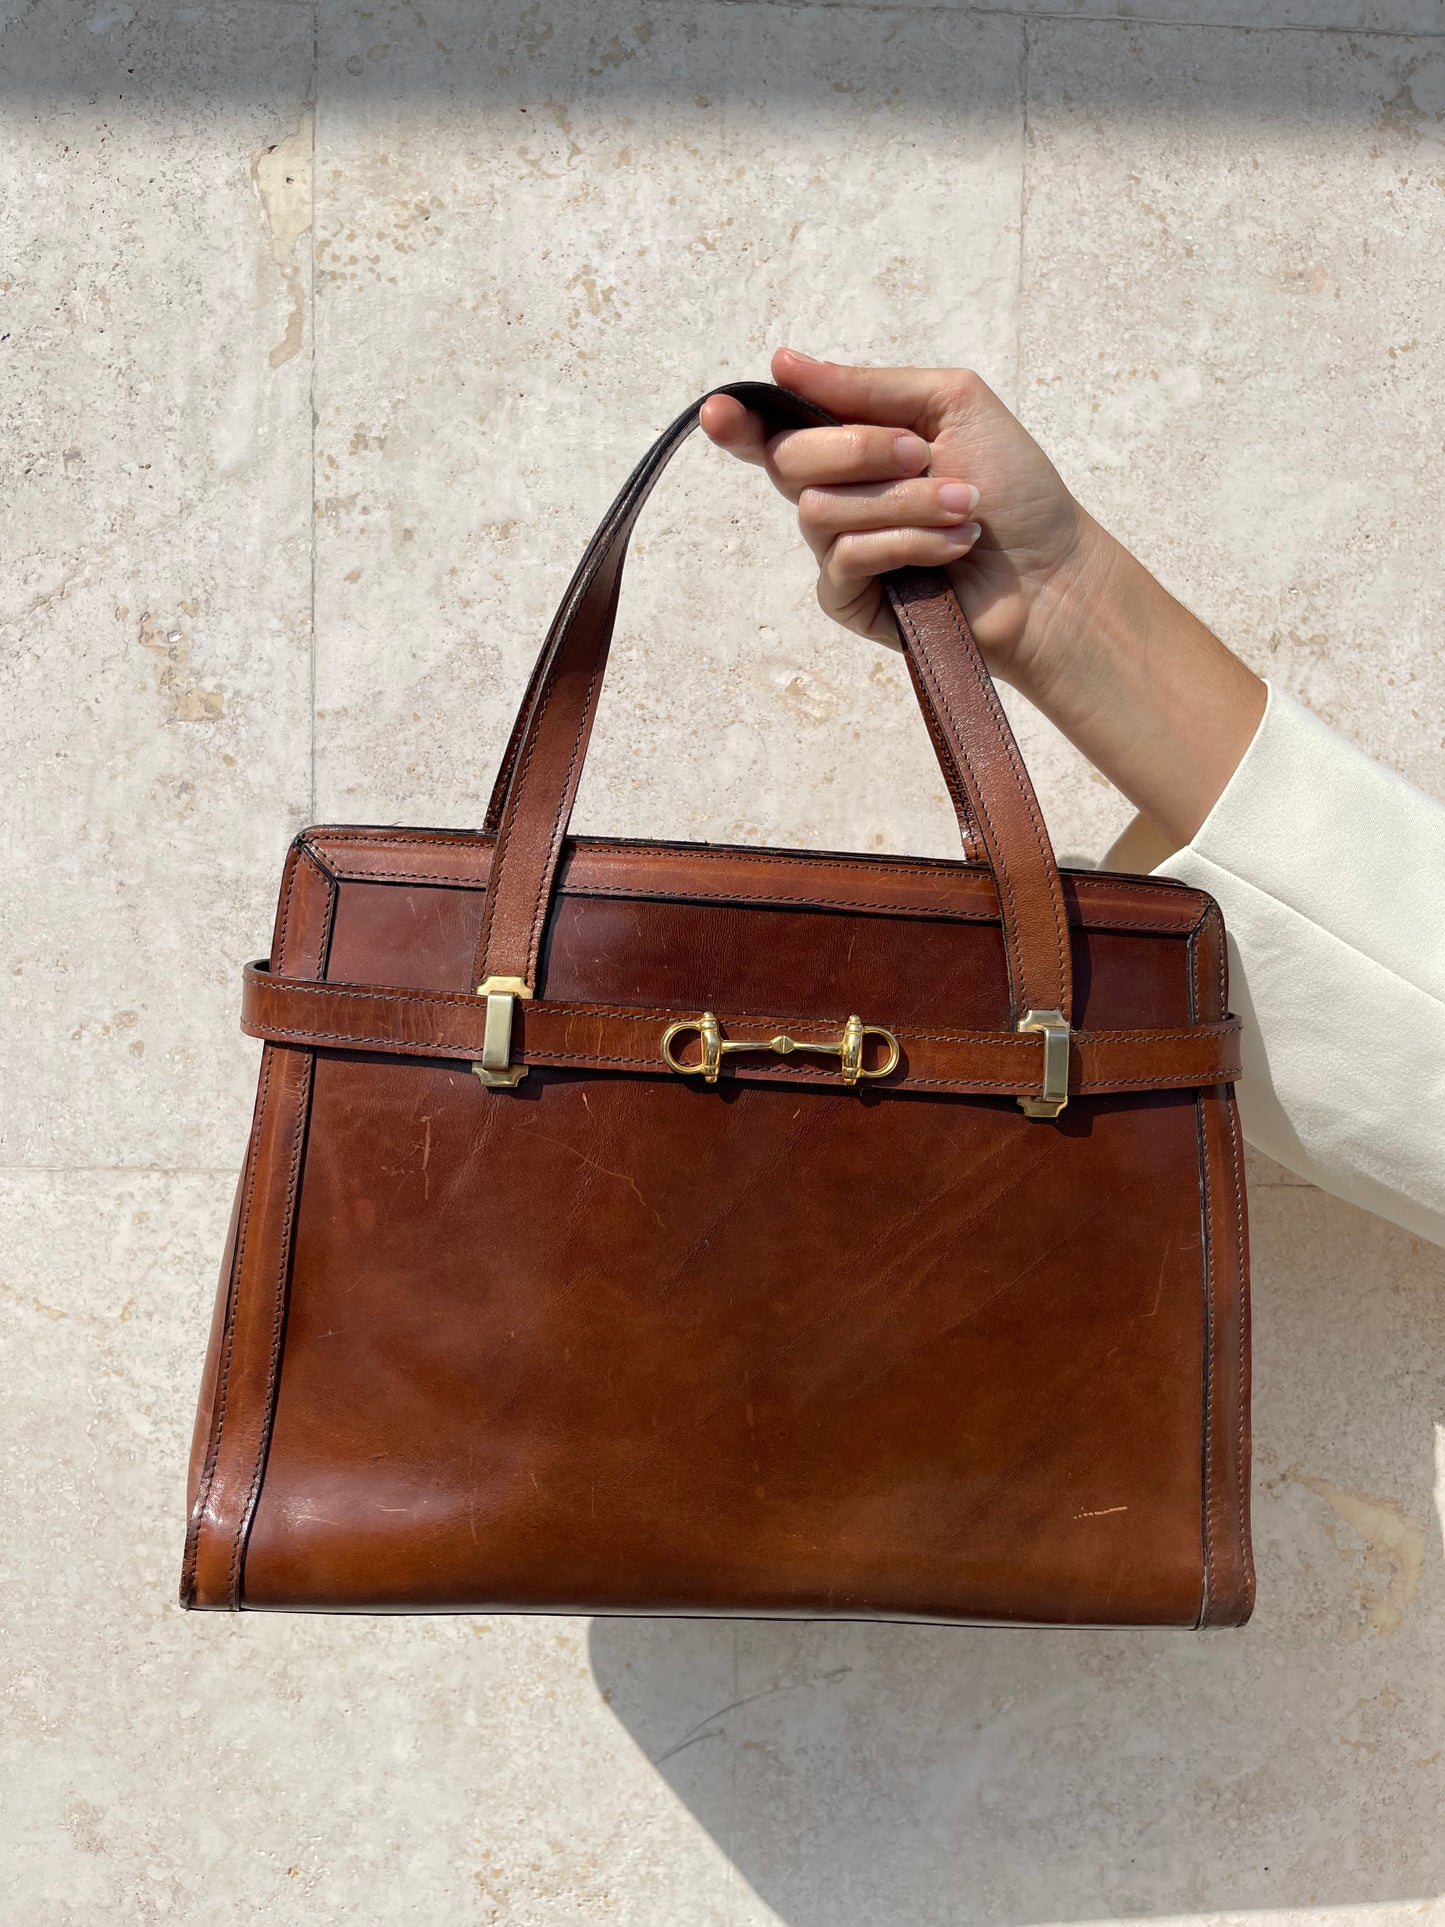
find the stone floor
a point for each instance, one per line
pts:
(329, 331)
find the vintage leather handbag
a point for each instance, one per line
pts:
(636, 1227)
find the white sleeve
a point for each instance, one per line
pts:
(1330, 871)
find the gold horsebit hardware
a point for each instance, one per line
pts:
(848, 1049)
(498, 1072)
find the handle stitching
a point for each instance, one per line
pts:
(1010, 749)
(998, 859)
(555, 841)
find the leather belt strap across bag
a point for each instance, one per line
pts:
(642, 1227)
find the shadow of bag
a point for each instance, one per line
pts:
(671, 1228)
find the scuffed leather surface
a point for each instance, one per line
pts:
(619, 1343)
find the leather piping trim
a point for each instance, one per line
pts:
(282, 1288)
(1206, 1257)
(280, 1297)
(301, 852)
(194, 1525)
(244, 1397)
(1246, 1550)
(1083, 912)
(604, 1037)
(1227, 1590)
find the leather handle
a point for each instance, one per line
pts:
(542, 766)
(764, 397)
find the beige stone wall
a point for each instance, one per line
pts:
(329, 331)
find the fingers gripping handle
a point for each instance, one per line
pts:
(975, 746)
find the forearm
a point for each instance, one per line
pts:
(1152, 698)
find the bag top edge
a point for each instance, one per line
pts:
(613, 866)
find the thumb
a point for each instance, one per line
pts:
(891, 397)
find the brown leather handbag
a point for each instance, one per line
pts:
(671, 1228)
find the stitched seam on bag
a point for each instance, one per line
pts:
(504, 837)
(243, 1523)
(1246, 1559)
(1202, 1152)
(504, 829)
(675, 893)
(328, 926)
(1020, 776)
(644, 474)
(999, 859)
(208, 1470)
(299, 848)
(683, 894)
(442, 839)
(954, 784)
(1001, 867)
(564, 807)
(471, 840)
(998, 862)
(1209, 1329)
(318, 861)
(233, 1305)
(1096, 920)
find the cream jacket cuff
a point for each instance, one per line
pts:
(1330, 871)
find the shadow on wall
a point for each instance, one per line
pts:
(858, 1775)
(1245, 57)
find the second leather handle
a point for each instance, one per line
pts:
(543, 765)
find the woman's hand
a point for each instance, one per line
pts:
(991, 508)
(1057, 606)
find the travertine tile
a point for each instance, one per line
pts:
(614, 209)
(1231, 338)
(156, 601)
(934, 1775)
(164, 1767)
(1347, 16)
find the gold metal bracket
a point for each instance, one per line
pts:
(496, 1070)
(848, 1049)
(1055, 1093)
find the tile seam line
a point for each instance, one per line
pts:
(1015, 12)
(1021, 273)
(120, 1170)
(1033, 17)
(315, 89)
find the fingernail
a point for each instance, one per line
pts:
(913, 454)
(798, 355)
(958, 497)
(966, 536)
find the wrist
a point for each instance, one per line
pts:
(1074, 623)
(1137, 682)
